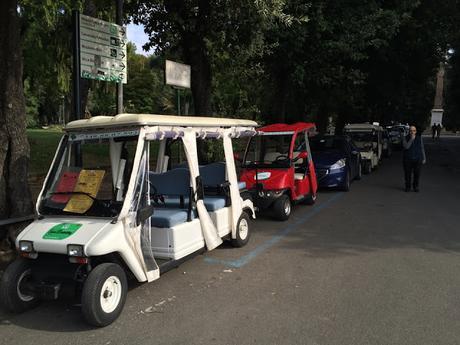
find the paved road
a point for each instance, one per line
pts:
(372, 266)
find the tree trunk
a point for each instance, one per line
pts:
(201, 81)
(15, 196)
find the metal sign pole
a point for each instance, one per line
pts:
(119, 21)
(76, 65)
(178, 101)
(76, 80)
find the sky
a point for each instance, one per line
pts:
(138, 37)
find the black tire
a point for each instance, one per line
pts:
(310, 199)
(92, 294)
(360, 172)
(346, 185)
(282, 208)
(246, 195)
(12, 296)
(367, 167)
(242, 231)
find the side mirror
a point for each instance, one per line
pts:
(354, 152)
(302, 155)
(143, 214)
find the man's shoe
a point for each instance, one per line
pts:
(416, 189)
(407, 189)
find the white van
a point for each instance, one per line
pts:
(113, 207)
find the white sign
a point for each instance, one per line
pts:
(177, 74)
(436, 116)
(102, 50)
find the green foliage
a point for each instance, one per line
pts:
(277, 60)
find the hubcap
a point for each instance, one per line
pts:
(21, 281)
(243, 229)
(287, 207)
(111, 294)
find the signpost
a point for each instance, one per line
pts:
(102, 50)
(177, 75)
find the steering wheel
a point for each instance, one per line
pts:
(282, 157)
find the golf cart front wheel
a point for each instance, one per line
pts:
(242, 231)
(14, 294)
(282, 207)
(368, 168)
(104, 294)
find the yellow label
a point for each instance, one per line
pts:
(89, 181)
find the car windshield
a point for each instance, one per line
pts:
(326, 144)
(92, 182)
(268, 150)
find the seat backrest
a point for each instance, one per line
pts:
(271, 156)
(172, 182)
(213, 174)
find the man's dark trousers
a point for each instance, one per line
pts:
(412, 167)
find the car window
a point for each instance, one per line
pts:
(326, 144)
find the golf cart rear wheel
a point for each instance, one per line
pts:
(282, 208)
(104, 294)
(13, 287)
(242, 231)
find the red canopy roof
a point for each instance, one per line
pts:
(283, 127)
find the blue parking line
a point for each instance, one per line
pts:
(237, 263)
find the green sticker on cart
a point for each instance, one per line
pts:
(61, 231)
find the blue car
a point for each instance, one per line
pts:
(337, 161)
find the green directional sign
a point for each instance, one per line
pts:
(102, 50)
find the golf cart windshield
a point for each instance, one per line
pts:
(268, 151)
(364, 140)
(89, 176)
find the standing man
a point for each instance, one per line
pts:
(438, 130)
(413, 158)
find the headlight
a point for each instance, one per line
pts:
(26, 246)
(262, 175)
(338, 165)
(75, 250)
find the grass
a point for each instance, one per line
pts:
(43, 144)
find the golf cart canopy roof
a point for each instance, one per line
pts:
(285, 128)
(140, 120)
(360, 127)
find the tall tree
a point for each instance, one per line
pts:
(198, 31)
(15, 197)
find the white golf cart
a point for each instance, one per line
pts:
(105, 214)
(368, 139)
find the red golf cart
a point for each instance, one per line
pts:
(278, 169)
